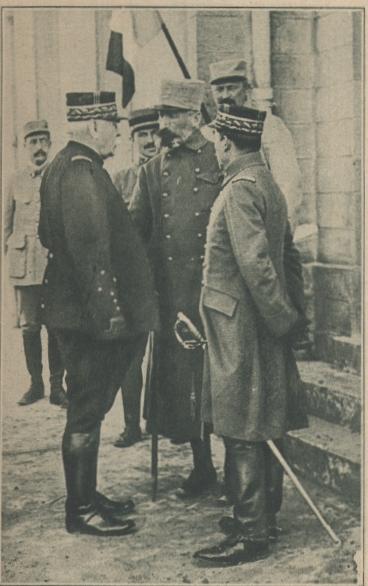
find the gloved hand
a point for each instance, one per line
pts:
(118, 329)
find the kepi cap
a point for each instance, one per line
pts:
(34, 127)
(92, 106)
(186, 94)
(239, 121)
(145, 118)
(228, 70)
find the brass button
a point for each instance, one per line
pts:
(112, 293)
(166, 215)
(51, 255)
(170, 258)
(46, 281)
(197, 170)
(102, 272)
(114, 279)
(99, 289)
(199, 151)
(197, 214)
(42, 306)
(165, 194)
(115, 300)
(117, 308)
(195, 189)
(165, 173)
(202, 256)
(168, 236)
(199, 234)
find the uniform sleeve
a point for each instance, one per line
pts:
(140, 207)
(87, 238)
(293, 272)
(9, 213)
(279, 151)
(248, 237)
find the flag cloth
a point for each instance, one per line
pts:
(130, 30)
(146, 25)
(118, 64)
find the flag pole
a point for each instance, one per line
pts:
(180, 62)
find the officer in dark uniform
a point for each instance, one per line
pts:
(98, 298)
(171, 205)
(143, 127)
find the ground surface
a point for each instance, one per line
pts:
(36, 548)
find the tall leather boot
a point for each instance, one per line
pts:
(57, 392)
(203, 475)
(33, 355)
(131, 393)
(80, 453)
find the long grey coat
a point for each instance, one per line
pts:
(250, 381)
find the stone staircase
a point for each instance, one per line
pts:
(329, 451)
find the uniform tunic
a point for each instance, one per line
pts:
(251, 382)
(171, 205)
(97, 271)
(125, 182)
(27, 257)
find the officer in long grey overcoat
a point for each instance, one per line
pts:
(27, 260)
(171, 205)
(251, 376)
(99, 298)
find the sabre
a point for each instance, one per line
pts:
(184, 325)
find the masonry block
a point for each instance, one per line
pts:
(291, 33)
(292, 71)
(334, 29)
(335, 137)
(334, 66)
(295, 105)
(304, 140)
(335, 174)
(335, 102)
(336, 245)
(306, 213)
(336, 210)
(335, 282)
(333, 316)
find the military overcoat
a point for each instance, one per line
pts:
(171, 204)
(251, 379)
(97, 264)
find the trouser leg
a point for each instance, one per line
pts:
(274, 483)
(55, 363)
(131, 391)
(247, 485)
(33, 354)
(201, 450)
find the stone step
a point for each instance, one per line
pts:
(344, 352)
(327, 454)
(332, 394)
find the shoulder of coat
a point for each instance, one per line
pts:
(80, 158)
(249, 178)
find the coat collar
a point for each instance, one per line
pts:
(195, 141)
(36, 170)
(83, 149)
(240, 164)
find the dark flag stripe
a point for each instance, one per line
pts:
(117, 64)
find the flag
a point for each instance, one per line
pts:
(128, 33)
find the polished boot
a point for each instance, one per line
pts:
(116, 508)
(131, 394)
(33, 355)
(232, 551)
(203, 476)
(57, 392)
(80, 452)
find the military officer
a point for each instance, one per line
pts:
(171, 204)
(27, 262)
(143, 127)
(230, 85)
(250, 322)
(99, 298)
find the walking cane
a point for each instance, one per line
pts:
(276, 452)
(151, 399)
(190, 338)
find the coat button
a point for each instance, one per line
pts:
(197, 214)
(114, 279)
(197, 170)
(115, 300)
(166, 215)
(46, 281)
(42, 306)
(165, 194)
(195, 189)
(199, 234)
(170, 258)
(117, 308)
(112, 293)
(168, 236)
(199, 151)
(99, 289)
(51, 255)
(202, 256)
(102, 272)
(165, 173)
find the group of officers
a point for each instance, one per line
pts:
(201, 224)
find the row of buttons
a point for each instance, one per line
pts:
(192, 259)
